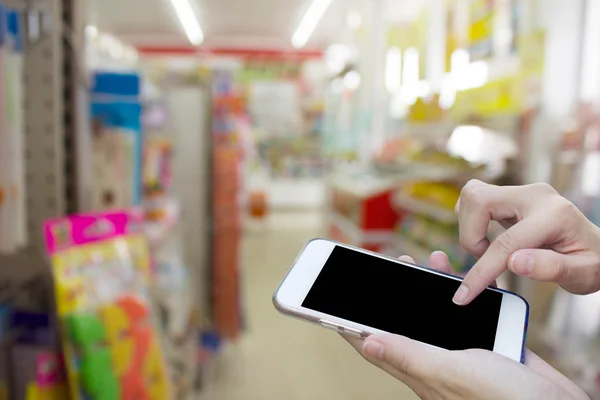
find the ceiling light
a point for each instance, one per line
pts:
(188, 20)
(481, 146)
(410, 70)
(91, 32)
(447, 93)
(337, 56)
(423, 89)
(459, 61)
(393, 69)
(309, 22)
(465, 142)
(473, 75)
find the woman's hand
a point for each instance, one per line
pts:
(547, 238)
(436, 374)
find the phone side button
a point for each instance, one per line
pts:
(351, 332)
(340, 329)
(330, 325)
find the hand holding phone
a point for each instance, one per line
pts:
(431, 372)
(471, 374)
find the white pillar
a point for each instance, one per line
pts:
(563, 22)
(589, 82)
(436, 47)
(377, 136)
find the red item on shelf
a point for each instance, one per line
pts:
(370, 213)
(365, 219)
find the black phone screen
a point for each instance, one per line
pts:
(406, 301)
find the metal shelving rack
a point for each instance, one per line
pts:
(50, 61)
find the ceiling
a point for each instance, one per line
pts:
(228, 23)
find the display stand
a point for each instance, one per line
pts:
(360, 211)
(47, 151)
(49, 162)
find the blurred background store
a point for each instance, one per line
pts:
(163, 161)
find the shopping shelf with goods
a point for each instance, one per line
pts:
(419, 207)
(360, 212)
(428, 222)
(395, 211)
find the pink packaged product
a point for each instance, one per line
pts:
(101, 269)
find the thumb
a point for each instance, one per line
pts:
(577, 273)
(409, 357)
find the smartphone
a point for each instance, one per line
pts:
(358, 293)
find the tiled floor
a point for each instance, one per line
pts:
(283, 359)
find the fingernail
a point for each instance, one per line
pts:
(461, 295)
(522, 264)
(374, 349)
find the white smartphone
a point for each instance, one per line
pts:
(358, 293)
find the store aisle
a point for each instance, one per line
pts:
(278, 357)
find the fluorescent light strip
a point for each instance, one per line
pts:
(393, 69)
(309, 22)
(188, 21)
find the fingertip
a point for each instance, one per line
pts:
(439, 261)
(481, 276)
(407, 259)
(374, 349)
(461, 297)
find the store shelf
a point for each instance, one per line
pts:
(367, 182)
(416, 170)
(361, 185)
(354, 232)
(420, 207)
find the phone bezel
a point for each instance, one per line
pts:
(293, 289)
